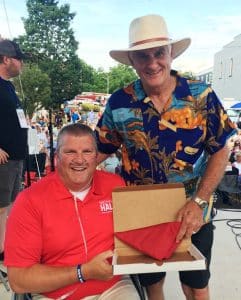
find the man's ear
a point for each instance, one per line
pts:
(6, 59)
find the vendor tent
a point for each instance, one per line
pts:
(236, 106)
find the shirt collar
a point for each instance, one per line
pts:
(62, 192)
(97, 187)
(181, 91)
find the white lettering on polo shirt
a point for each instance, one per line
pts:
(105, 206)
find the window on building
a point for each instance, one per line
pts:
(208, 79)
(221, 70)
(230, 74)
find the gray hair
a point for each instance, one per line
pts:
(76, 129)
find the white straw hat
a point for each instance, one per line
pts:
(149, 32)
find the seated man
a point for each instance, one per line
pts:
(59, 237)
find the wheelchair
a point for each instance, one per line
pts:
(21, 296)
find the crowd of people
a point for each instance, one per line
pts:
(73, 115)
(234, 144)
(39, 140)
(166, 128)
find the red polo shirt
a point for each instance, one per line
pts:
(45, 227)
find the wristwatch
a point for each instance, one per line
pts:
(201, 203)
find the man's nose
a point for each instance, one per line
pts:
(80, 157)
(152, 60)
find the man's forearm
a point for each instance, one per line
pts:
(213, 174)
(41, 278)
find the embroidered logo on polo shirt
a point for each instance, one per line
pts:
(105, 206)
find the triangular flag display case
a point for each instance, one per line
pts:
(140, 207)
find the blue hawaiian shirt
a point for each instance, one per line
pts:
(169, 147)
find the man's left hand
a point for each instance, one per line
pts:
(3, 156)
(191, 216)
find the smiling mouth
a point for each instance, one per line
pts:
(79, 168)
(153, 74)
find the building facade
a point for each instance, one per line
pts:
(227, 73)
(205, 76)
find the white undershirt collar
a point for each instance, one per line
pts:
(81, 194)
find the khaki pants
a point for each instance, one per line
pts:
(123, 289)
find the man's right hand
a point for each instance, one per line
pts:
(98, 267)
(3, 156)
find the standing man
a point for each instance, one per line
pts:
(169, 130)
(60, 237)
(13, 131)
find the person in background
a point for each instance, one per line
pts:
(91, 118)
(227, 186)
(60, 238)
(111, 164)
(169, 130)
(58, 119)
(13, 132)
(231, 170)
(239, 121)
(234, 150)
(75, 116)
(237, 164)
(67, 113)
(84, 117)
(37, 145)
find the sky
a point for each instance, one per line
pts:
(102, 25)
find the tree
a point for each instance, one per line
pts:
(120, 76)
(100, 81)
(51, 43)
(87, 77)
(65, 79)
(116, 78)
(36, 87)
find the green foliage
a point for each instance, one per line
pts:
(89, 106)
(86, 77)
(36, 87)
(48, 32)
(51, 43)
(120, 76)
(96, 108)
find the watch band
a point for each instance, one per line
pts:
(203, 204)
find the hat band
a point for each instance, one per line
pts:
(149, 41)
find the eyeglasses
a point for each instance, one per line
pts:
(142, 57)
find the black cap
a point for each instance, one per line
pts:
(11, 49)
